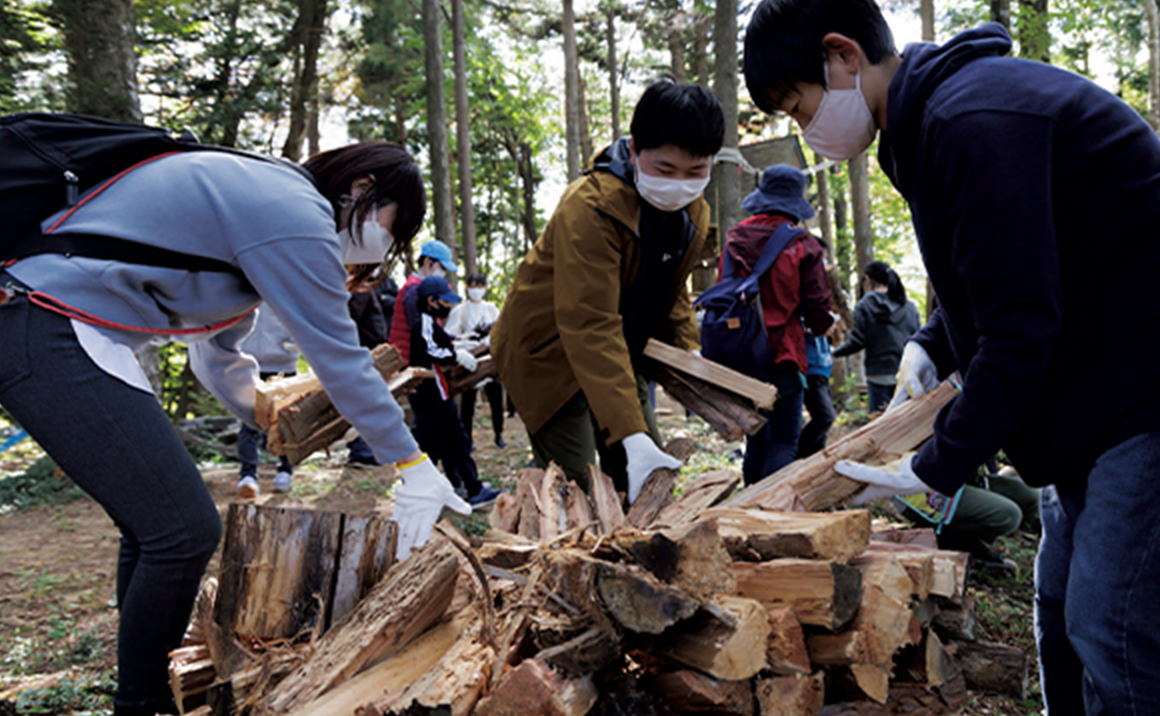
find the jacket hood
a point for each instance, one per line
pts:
(925, 66)
(882, 307)
(746, 240)
(615, 159)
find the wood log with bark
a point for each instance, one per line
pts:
(762, 395)
(761, 535)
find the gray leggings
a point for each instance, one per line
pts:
(117, 444)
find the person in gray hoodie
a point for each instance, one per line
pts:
(277, 354)
(883, 321)
(292, 241)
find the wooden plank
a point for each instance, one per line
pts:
(760, 535)
(731, 416)
(762, 394)
(823, 594)
(701, 494)
(412, 597)
(812, 485)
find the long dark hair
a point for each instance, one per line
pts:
(396, 178)
(881, 273)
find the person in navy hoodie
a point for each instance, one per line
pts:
(1017, 175)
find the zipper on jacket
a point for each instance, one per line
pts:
(71, 180)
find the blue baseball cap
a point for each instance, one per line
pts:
(440, 252)
(438, 286)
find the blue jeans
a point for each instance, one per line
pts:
(251, 441)
(1097, 578)
(775, 445)
(822, 416)
(118, 445)
(878, 397)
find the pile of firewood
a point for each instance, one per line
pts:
(706, 603)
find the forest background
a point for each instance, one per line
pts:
(502, 101)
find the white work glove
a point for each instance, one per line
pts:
(418, 503)
(643, 457)
(897, 478)
(917, 375)
(465, 359)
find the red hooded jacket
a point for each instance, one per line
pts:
(795, 286)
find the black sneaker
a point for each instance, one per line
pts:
(983, 557)
(484, 497)
(361, 462)
(499, 443)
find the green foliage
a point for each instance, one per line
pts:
(68, 695)
(41, 485)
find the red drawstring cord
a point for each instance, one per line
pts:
(108, 183)
(58, 306)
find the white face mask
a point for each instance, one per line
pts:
(843, 126)
(438, 270)
(376, 242)
(665, 193)
(476, 294)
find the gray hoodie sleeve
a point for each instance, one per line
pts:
(227, 373)
(303, 281)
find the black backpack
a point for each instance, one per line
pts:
(47, 161)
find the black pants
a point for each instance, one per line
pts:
(440, 434)
(822, 415)
(494, 392)
(117, 444)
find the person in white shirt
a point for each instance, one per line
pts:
(470, 324)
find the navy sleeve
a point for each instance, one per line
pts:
(996, 172)
(935, 341)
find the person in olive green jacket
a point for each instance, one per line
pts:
(609, 272)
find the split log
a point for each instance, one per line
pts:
(727, 639)
(956, 622)
(823, 594)
(655, 495)
(786, 651)
(460, 380)
(534, 689)
(586, 653)
(294, 409)
(527, 497)
(762, 395)
(553, 513)
(910, 699)
(918, 564)
(191, 671)
(761, 535)
(812, 485)
(640, 602)
(691, 692)
(928, 664)
(367, 553)
(703, 567)
(454, 685)
(412, 596)
(605, 502)
(949, 569)
(242, 690)
(884, 531)
(391, 675)
(278, 566)
(732, 416)
(701, 494)
(506, 555)
(797, 695)
(505, 514)
(992, 667)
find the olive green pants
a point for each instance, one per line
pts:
(987, 512)
(572, 439)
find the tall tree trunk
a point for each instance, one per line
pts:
(585, 128)
(824, 206)
(528, 178)
(1001, 12)
(312, 16)
(677, 48)
(437, 124)
(463, 138)
(1152, 13)
(860, 201)
(725, 173)
(1034, 35)
(100, 42)
(701, 49)
(313, 133)
(571, 93)
(613, 79)
(926, 10)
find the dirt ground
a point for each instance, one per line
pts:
(58, 563)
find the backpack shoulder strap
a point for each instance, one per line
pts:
(773, 248)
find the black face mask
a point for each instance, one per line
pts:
(439, 312)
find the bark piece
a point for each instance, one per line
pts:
(812, 485)
(535, 689)
(606, 503)
(701, 494)
(691, 692)
(797, 695)
(821, 593)
(640, 602)
(992, 667)
(760, 394)
(655, 495)
(761, 535)
(727, 639)
(786, 650)
(412, 597)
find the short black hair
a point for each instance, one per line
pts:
(783, 43)
(686, 115)
(476, 279)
